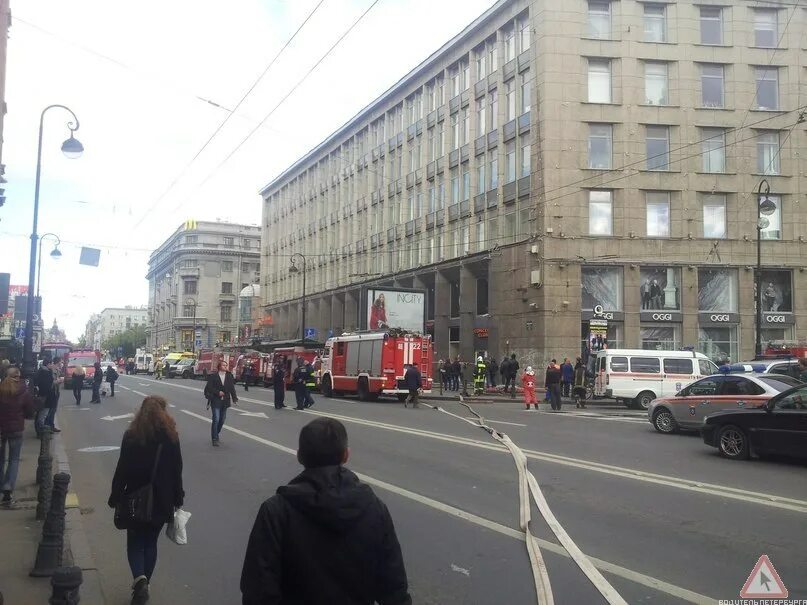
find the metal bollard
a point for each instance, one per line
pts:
(44, 454)
(66, 582)
(49, 553)
(43, 497)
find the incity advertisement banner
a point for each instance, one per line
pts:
(389, 309)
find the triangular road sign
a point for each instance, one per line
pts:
(764, 582)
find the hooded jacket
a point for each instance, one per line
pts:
(14, 409)
(324, 538)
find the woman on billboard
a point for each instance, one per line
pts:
(378, 314)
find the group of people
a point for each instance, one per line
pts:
(566, 380)
(486, 373)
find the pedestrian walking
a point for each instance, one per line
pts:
(567, 377)
(325, 537)
(158, 369)
(58, 382)
(310, 383)
(279, 383)
(77, 382)
(512, 374)
(456, 373)
(480, 372)
(504, 371)
(552, 382)
(441, 368)
(220, 394)
(580, 380)
(493, 370)
(412, 381)
(246, 375)
(149, 454)
(528, 382)
(16, 404)
(97, 379)
(43, 380)
(298, 380)
(111, 378)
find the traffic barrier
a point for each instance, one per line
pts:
(43, 497)
(65, 583)
(44, 454)
(51, 548)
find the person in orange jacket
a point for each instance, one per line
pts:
(528, 382)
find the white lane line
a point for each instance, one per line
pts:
(143, 384)
(499, 421)
(711, 489)
(138, 393)
(612, 568)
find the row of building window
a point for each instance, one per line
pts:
(657, 147)
(657, 206)
(246, 243)
(712, 20)
(657, 84)
(226, 266)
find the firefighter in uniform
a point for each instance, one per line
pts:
(298, 380)
(479, 376)
(310, 383)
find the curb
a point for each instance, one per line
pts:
(77, 547)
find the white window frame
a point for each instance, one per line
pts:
(526, 160)
(768, 153)
(603, 201)
(764, 25)
(650, 18)
(598, 23)
(766, 74)
(654, 158)
(709, 12)
(713, 150)
(657, 200)
(510, 100)
(526, 92)
(510, 162)
(657, 72)
(714, 206)
(600, 132)
(705, 67)
(599, 73)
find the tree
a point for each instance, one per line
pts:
(82, 342)
(129, 341)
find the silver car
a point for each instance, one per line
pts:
(687, 408)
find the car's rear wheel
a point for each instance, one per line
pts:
(732, 442)
(664, 422)
(643, 400)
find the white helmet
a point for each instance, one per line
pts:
(479, 358)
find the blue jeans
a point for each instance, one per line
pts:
(8, 475)
(141, 550)
(219, 414)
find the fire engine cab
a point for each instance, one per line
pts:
(372, 364)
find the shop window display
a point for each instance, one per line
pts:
(777, 294)
(717, 290)
(660, 288)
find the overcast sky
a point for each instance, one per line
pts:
(141, 78)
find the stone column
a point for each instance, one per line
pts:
(338, 312)
(467, 312)
(671, 291)
(352, 321)
(442, 308)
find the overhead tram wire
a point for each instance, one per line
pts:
(229, 115)
(283, 100)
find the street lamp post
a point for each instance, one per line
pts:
(765, 208)
(55, 254)
(293, 269)
(72, 149)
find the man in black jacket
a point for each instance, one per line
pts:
(43, 380)
(412, 381)
(325, 537)
(97, 379)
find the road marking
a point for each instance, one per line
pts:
(139, 393)
(111, 418)
(612, 568)
(143, 384)
(71, 501)
(252, 414)
(711, 489)
(99, 448)
(498, 421)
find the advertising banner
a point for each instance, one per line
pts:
(402, 309)
(597, 334)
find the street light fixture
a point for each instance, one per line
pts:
(293, 269)
(72, 149)
(765, 208)
(55, 254)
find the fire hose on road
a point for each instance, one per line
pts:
(528, 487)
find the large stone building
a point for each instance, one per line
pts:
(194, 279)
(111, 322)
(557, 158)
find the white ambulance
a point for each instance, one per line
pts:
(636, 377)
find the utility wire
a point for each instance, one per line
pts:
(229, 115)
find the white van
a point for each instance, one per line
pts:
(636, 377)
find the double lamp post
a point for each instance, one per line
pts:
(72, 149)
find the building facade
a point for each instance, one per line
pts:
(557, 159)
(5, 25)
(113, 321)
(194, 279)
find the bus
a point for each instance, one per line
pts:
(56, 350)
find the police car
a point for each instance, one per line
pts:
(735, 387)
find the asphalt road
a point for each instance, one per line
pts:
(664, 518)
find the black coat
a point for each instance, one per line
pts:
(412, 379)
(134, 471)
(111, 374)
(43, 380)
(279, 378)
(214, 386)
(553, 376)
(98, 377)
(324, 538)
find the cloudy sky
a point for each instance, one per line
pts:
(144, 79)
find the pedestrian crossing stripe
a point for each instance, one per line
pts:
(764, 582)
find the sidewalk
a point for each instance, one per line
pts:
(21, 533)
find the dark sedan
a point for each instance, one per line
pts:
(778, 427)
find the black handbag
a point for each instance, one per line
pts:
(137, 506)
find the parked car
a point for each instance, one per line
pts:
(778, 427)
(725, 391)
(789, 366)
(183, 367)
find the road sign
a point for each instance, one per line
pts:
(198, 342)
(19, 333)
(36, 346)
(764, 582)
(310, 333)
(198, 334)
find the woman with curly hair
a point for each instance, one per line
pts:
(150, 448)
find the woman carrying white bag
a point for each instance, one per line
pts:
(147, 489)
(176, 530)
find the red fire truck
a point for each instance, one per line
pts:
(208, 360)
(261, 364)
(372, 364)
(290, 356)
(786, 348)
(87, 358)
